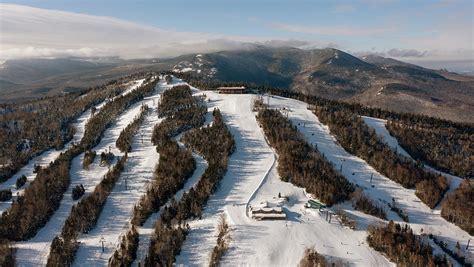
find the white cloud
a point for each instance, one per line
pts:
(34, 32)
(406, 53)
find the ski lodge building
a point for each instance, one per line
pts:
(231, 90)
(267, 213)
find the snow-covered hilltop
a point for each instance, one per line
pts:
(287, 222)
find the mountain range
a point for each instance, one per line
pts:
(330, 73)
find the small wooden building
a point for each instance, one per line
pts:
(231, 90)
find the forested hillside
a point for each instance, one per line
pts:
(312, 172)
(287, 178)
(448, 149)
(39, 201)
(30, 128)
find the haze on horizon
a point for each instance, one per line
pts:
(436, 34)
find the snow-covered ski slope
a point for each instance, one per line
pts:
(34, 252)
(251, 179)
(252, 176)
(50, 155)
(146, 230)
(114, 218)
(380, 129)
(358, 171)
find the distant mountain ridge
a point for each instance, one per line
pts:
(370, 80)
(24, 79)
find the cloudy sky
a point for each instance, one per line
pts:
(432, 33)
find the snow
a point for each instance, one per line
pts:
(187, 69)
(212, 72)
(282, 243)
(252, 177)
(246, 168)
(50, 155)
(358, 171)
(146, 231)
(379, 92)
(379, 125)
(115, 216)
(35, 251)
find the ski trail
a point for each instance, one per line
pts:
(35, 251)
(359, 173)
(379, 125)
(115, 216)
(146, 231)
(50, 155)
(247, 168)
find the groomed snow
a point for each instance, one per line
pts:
(252, 177)
(146, 231)
(379, 125)
(34, 252)
(358, 171)
(246, 168)
(50, 155)
(115, 216)
(281, 243)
